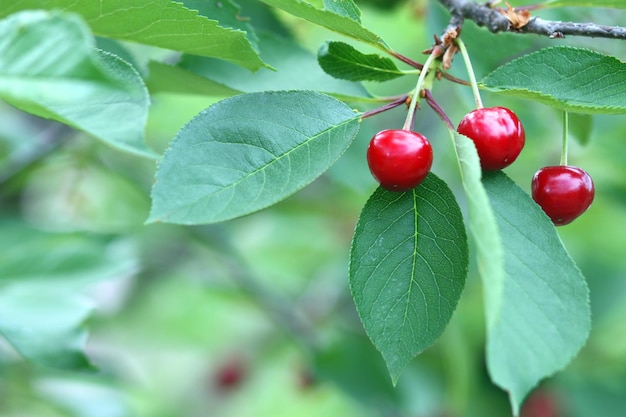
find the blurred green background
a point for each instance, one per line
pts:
(254, 317)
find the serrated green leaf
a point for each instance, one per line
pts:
(328, 19)
(345, 8)
(227, 13)
(408, 266)
(571, 79)
(43, 307)
(482, 225)
(519, 253)
(615, 4)
(543, 315)
(248, 152)
(264, 18)
(163, 23)
(49, 68)
(295, 68)
(343, 61)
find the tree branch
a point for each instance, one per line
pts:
(492, 19)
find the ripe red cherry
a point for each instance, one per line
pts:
(399, 159)
(229, 375)
(563, 192)
(497, 133)
(541, 404)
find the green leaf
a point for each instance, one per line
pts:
(519, 253)
(345, 8)
(482, 225)
(329, 19)
(345, 62)
(165, 78)
(342, 363)
(408, 266)
(615, 4)
(248, 152)
(51, 69)
(44, 325)
(571, 79)
(42, 282)
(543, 315)
(65, 193)
(227, 13)
(163, 23)
(295, 68)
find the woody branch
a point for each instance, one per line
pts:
(496, 21)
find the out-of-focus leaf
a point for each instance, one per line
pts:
(163, 23)
(615, 4)
(333, 19)
(42, 278)
(49, 67)
(165, 78)
(63, 194)
(295, 68)
(581, 125)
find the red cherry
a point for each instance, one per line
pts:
(497, 133)
(399, 159)
(229, 375)
(541, 404)
(563, 192)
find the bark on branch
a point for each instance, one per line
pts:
(492, 19)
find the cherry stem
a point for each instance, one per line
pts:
(419, 66)
(565, 139)
(437, 108)
(406, 60)
(470, 73)
(395, 103)
(408, 123)
(453, 78)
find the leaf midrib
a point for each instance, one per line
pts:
(256, 171)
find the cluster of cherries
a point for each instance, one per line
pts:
(400, 160)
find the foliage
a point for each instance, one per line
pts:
(571, 79)
(251, 104)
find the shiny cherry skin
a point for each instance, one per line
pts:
(563, 192)
(497, 133)
(399, 159)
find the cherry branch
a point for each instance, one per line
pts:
(495, 21)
